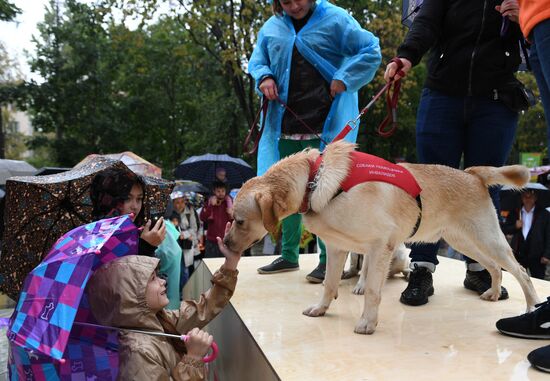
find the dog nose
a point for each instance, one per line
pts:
(226, 241)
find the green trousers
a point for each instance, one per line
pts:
(292, 225)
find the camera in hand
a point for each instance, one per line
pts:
(154, 217)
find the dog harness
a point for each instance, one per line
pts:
(364, 168)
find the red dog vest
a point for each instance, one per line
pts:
(365, 167)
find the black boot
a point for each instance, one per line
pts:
(480, 281)
(420, 287)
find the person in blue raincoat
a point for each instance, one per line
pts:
(314, 57)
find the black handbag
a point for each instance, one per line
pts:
(516, 96)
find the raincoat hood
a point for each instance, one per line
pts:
(116, 293)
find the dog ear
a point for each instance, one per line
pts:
(269, 219)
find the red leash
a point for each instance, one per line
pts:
(391, 101)
(391, 118)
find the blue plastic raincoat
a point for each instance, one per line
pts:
(169, 253)
(334, 43)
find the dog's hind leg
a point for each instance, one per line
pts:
(379, 259)
(502, 255)
(495, 253)
(335, 265)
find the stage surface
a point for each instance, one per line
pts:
(453, 337)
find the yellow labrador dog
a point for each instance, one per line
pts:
(374, 218)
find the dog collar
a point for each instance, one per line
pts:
(314, 166)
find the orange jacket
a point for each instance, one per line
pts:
(532, 12)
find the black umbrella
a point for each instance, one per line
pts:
(203, 169)
(39, 209)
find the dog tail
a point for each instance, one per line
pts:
(514, 175)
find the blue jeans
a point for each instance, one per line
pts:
(448, 127)
(539, 57)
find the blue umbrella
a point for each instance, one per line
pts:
(203, 168)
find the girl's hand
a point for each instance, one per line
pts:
(337, 87)
(231, 258)
(268, 87)
(156, 235)
(198, 343)
(391, 69)
(510, 9)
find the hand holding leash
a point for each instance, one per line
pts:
(397, 68)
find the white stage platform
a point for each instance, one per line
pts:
(264, 335)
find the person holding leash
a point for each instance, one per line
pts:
(313, 57)
(462, 111)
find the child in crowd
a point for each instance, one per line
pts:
(216, 213)
(116, 192)
(127, 293)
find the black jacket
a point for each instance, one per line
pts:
(529, 251)
(468, 55)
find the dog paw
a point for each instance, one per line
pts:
(359, 289)
(315, 311)
(490, 296)
(364, 328)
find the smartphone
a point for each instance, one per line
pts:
(154, 217)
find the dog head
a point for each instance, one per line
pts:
(256, 211)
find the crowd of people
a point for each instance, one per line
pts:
(310, 60)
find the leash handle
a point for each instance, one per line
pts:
(256, 139)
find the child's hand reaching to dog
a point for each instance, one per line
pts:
(231, 258)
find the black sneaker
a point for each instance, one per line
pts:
(532, 325)
(420, 287)
(480, 281)
(540, 358)
(318, 274)
(279, 265)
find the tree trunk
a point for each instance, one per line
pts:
(2, 136)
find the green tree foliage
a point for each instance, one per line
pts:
(8, 10)
(11, 141)
(531, 134)
(177, 84)
(110, 89)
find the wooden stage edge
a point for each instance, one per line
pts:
(263, 334)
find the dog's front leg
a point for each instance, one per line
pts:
(379, 263)
(335, 266)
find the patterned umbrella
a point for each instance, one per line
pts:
(41, 327)
(203, 168)
(39, 209)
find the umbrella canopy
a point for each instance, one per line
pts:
(510, 198)
(190, 186)
(53, 298)
(10, 168)
(203, 168)
(136, 163)
(39, 209)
